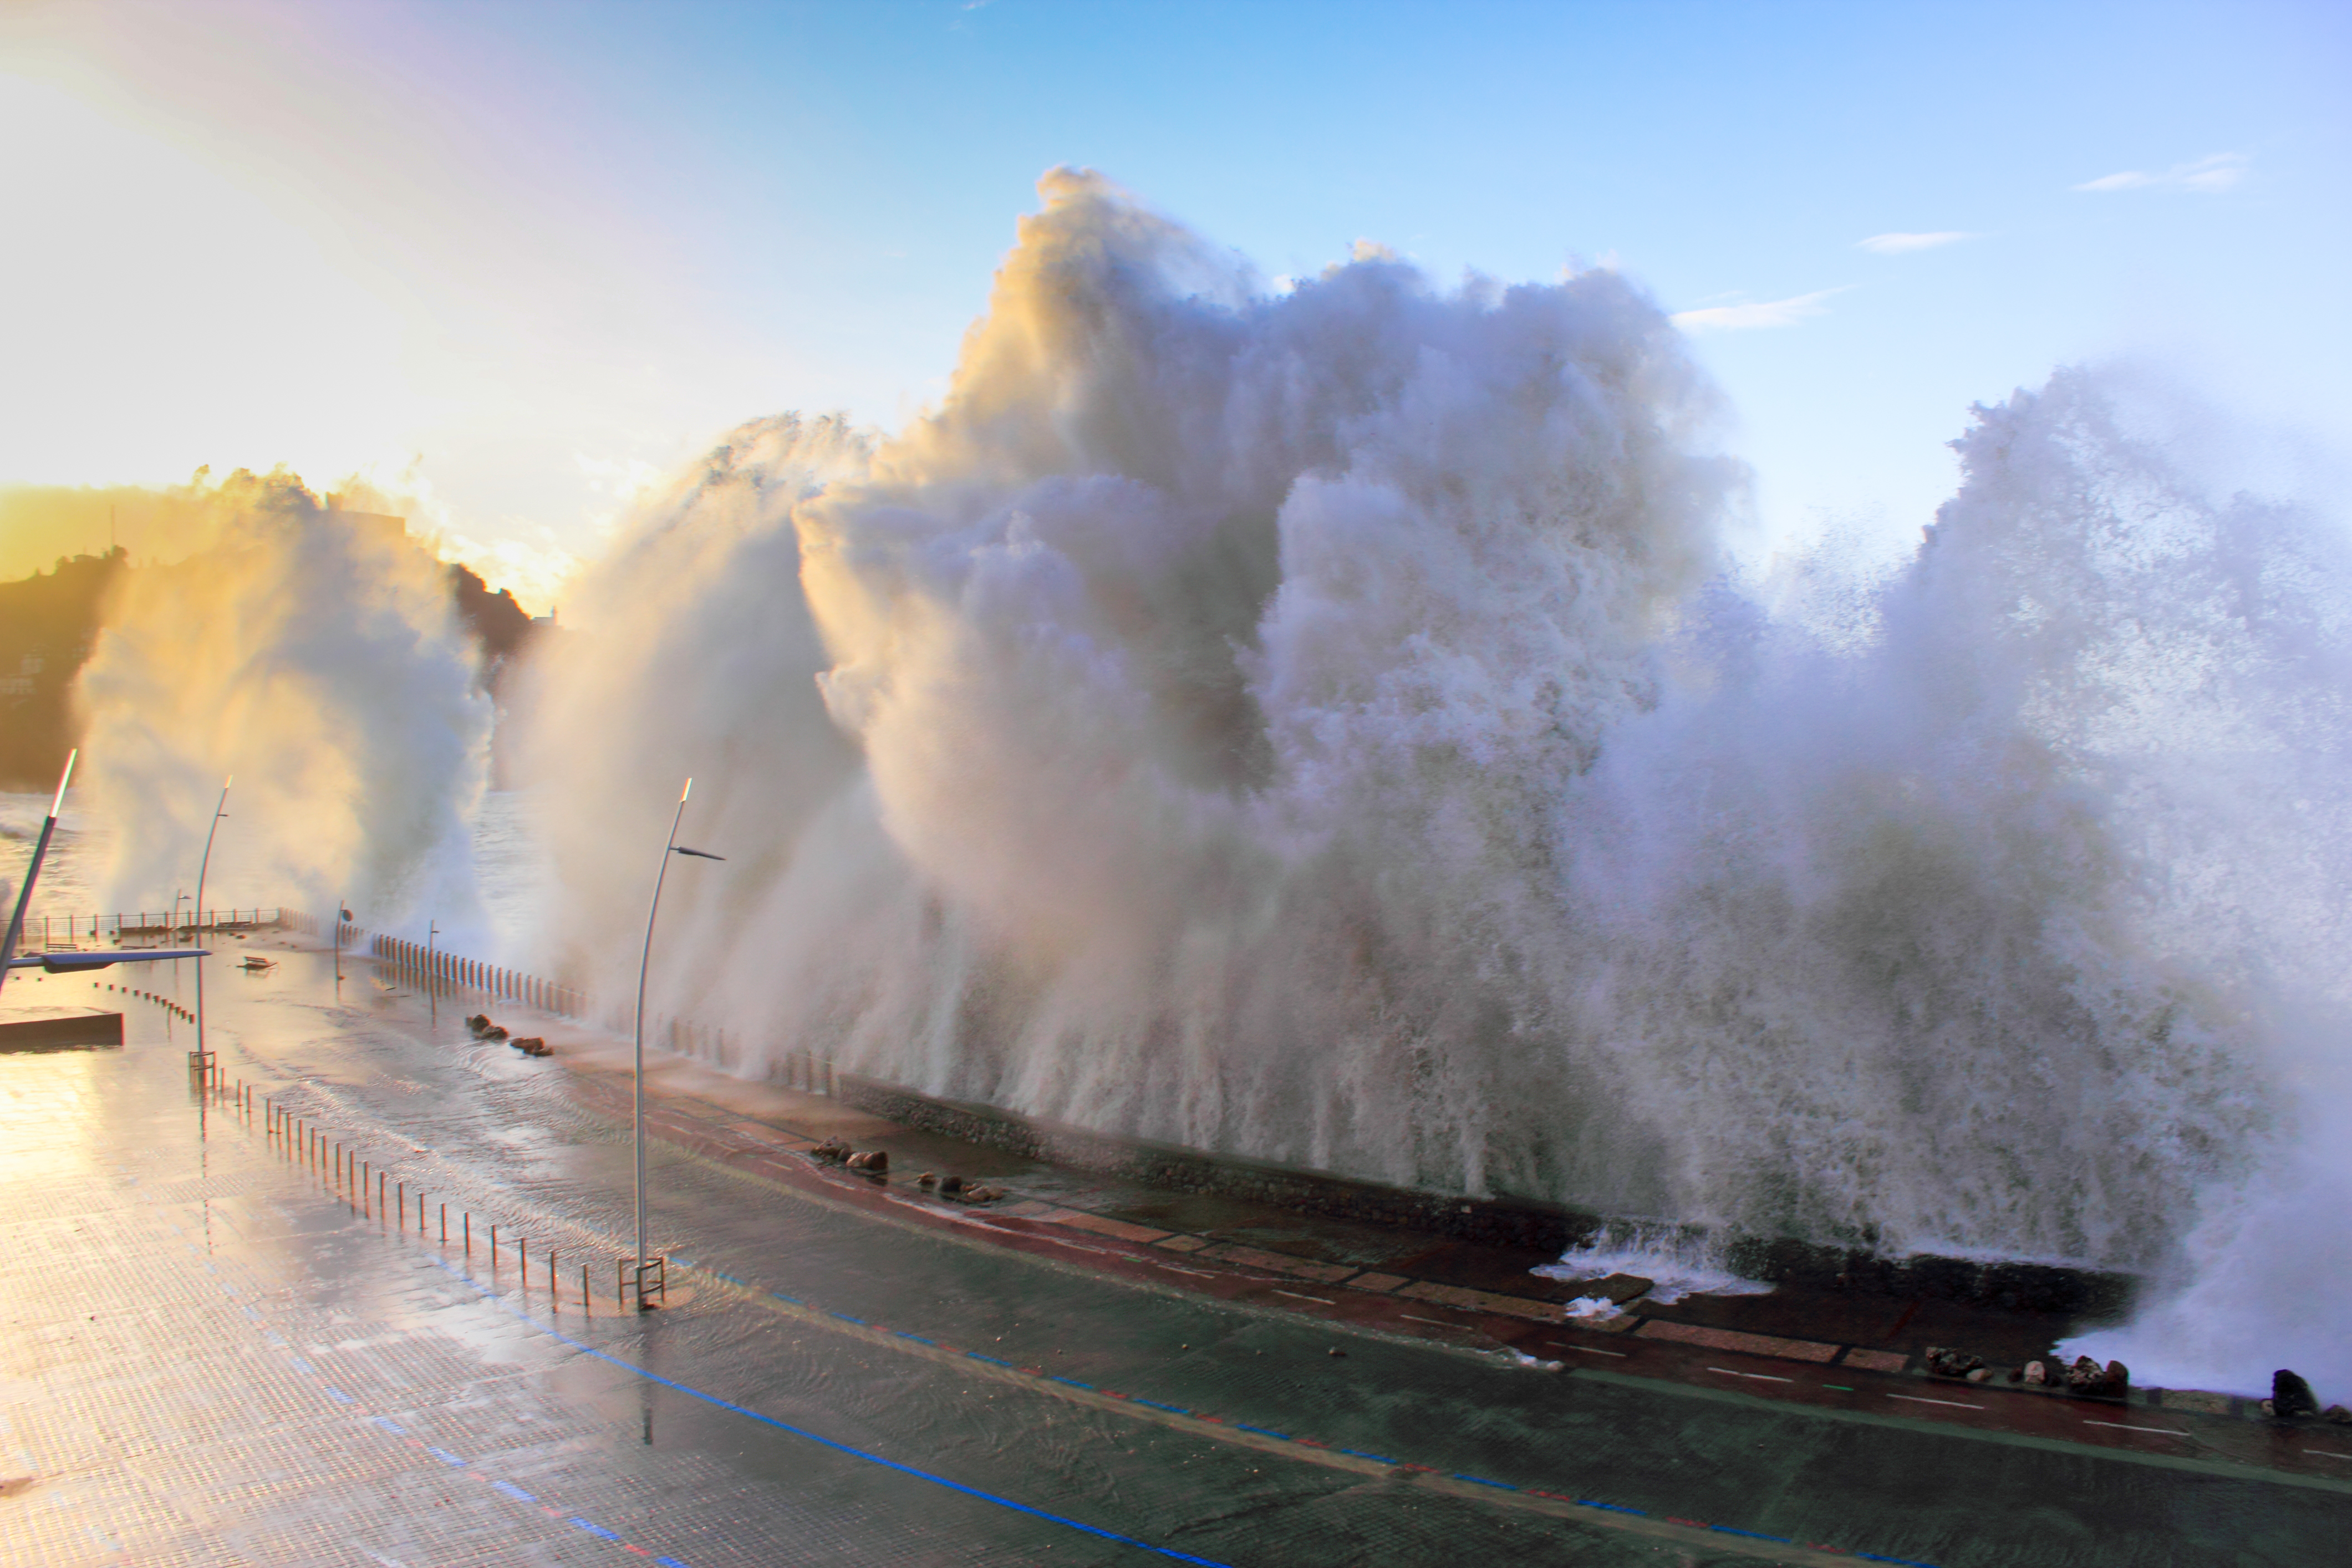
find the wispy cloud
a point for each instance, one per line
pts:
(2211, 175)
(1761, 313)
(1904, 244)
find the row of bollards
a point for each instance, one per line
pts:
(351, 1177)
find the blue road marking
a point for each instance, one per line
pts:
(872, 1458)
(1498, 1486)
(338, 1396)
(513, 1492)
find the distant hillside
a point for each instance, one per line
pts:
(49, 624)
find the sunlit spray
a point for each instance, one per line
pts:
(314, 654)
(1319, 725)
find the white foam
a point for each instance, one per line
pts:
(1318, 725)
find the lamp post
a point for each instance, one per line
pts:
(219, 811)
(644, 964)
(33, 873)
(342, 918)
(71, 962)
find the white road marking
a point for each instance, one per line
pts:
(2120, 1426)
(1953, 1402)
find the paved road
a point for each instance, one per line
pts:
(213, 1357)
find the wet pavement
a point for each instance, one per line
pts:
(221, 1349)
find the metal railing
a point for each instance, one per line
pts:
(56, 931)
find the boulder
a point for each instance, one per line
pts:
(1617, 1288)
(873, 1162)
(2291, 1397)
(2338, 1414)
(2037, 1374)
(951, 1185)
(2087, 1377)
(1945, 1362)
(832, 1151)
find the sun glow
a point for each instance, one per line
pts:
(156, 312)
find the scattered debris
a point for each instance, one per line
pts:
(256, 964)
(1945, 1362)
(951, 1185)
(928, 1179)
(1335, 1350)
(2291, 1398)
(832, 1151)
(531, 1046)
(484, 1029)
(873, 1162)
(981, 1195)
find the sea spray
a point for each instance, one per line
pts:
(1320, 726)
(313, 654)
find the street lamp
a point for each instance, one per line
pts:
(68, 961)
(219, 811)
(644, 964)
(33, 870)
(342, 918)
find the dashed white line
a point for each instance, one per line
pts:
(1297, 1297)
(1768, 1377)
(2121, 1427)
(1587, 1350)
(1439, 1321)
(1953, 1402)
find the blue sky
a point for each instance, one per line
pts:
(523, 255)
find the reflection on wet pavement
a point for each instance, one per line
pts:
(221, 1350)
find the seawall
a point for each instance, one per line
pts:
(1504, 1222)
